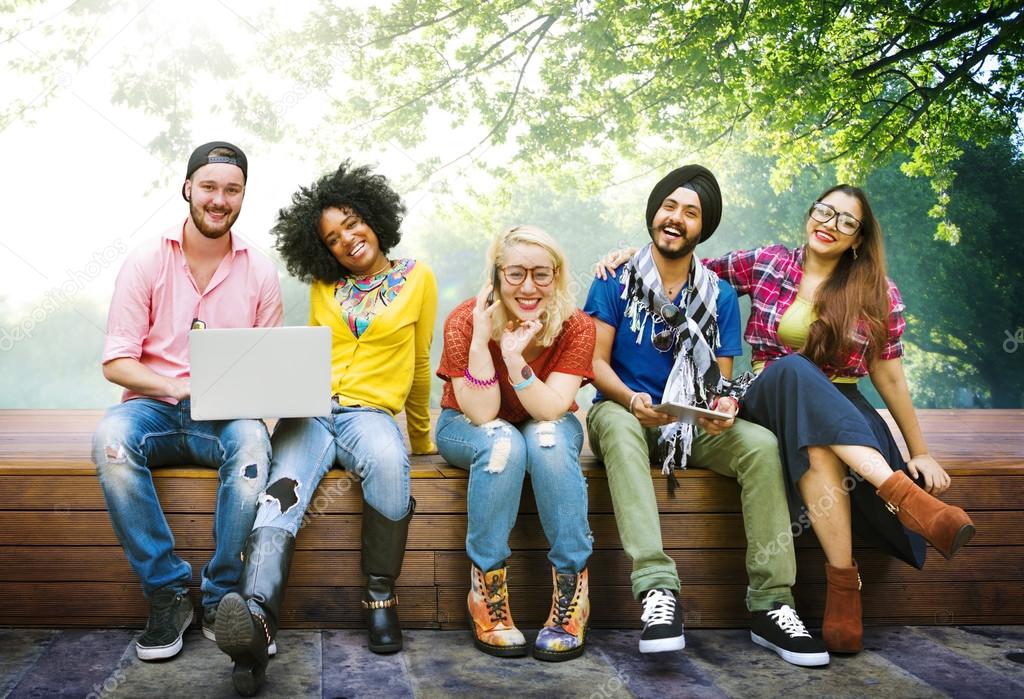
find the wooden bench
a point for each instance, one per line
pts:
(61, 565)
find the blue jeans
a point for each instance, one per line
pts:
(136, 436)
(365, 441)
(498, 455)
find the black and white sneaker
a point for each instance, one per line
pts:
(780, 629)
(663, 622)
(210, 622)
(170, 613)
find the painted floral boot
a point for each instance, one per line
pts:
(494, 632)
(564, 634)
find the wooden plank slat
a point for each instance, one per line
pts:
(724, 566)
(108, 564)
(962, 440)
(440, 532)
(528, 568)
(340, 494)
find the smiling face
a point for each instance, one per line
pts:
(676, 227)
(528, 300)
(215, 194)
(824, 239)
(352, 242)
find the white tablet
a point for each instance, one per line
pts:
(689, 414)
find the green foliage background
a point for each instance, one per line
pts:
(565, 113)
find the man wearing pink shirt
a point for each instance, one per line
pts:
(197, 275)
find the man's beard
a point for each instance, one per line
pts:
(209, 232)
(688, 247)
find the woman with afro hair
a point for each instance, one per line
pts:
(336, 236)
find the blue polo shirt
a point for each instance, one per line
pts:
(640, 366)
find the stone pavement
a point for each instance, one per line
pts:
(920, 661)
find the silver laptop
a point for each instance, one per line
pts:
(260, 372)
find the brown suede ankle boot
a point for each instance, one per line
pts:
(946, 527)
(842, 629)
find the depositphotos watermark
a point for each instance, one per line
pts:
(76, 280)
(615, 686)
(112, 682)
(1013, 340)
(816, 510)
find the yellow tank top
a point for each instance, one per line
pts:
(793, 328)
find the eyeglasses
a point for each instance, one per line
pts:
(516, 274)
(672, 316)
(846, 223)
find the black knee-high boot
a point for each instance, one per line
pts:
(248, 622)
(383, 550)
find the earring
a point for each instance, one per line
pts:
(854, 253)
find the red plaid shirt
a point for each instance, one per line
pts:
(771, 275)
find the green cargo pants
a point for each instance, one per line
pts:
(746, 452)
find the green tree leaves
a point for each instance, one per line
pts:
(848, 83)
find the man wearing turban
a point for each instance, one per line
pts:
(667, 332)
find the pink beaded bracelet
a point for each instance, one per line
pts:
(477, 383)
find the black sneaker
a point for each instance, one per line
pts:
(780, 629)
(170, 613)
(210, 628)
(210, 622)
(663, 622)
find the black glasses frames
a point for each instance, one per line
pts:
(846, 223)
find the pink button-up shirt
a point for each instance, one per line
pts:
(156, 299)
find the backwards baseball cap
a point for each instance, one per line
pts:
(201, 156)
(700, 180)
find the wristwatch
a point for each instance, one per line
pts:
(528, 378)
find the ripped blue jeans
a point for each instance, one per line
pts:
(365, 441)
(139, 434)
(498, 455)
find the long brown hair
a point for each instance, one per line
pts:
(855, 296)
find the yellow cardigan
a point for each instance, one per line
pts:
(388, 367)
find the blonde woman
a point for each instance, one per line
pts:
(514, 358)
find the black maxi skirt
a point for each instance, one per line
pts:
(794, 399)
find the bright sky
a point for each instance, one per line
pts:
(77, 177)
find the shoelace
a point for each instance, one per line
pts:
(495, 600)
(659, 608)
(565, 605)
(787, 620)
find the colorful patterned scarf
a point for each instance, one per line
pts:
(363, 298)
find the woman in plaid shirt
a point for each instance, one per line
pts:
(823, 316)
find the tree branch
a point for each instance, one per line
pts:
(726, 131)
(980, 21)
(929, 345)
(930, 94)
(537, 34)
(422, 25)
(469, 68)
(411, 28)
(625, 97)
